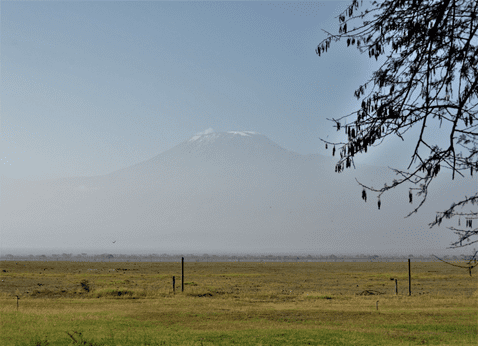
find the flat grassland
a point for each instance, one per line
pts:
(240, 303)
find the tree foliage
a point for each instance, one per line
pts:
(431, 46)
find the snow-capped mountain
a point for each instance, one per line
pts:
(228, 191)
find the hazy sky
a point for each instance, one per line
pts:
(88, 88)
(92, 87)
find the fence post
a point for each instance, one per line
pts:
(396, 287)
(182, 274)
(409, 279)
(174, 285)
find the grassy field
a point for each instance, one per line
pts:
(85, 303)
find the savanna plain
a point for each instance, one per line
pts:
(236, 303)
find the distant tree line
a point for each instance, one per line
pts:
(107, 257)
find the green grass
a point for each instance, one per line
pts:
(186, 320)
(113, 329)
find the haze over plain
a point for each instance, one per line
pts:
(89, 89)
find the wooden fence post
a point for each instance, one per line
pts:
(182, 274)
(409, 279)
(396, 287)
(174, 285)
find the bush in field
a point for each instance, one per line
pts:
(85, 285)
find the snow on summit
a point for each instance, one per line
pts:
(210, 135)
(243, 133)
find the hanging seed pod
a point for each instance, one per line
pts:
(410, 196)
(333, 151)
(347, 131)
(379, 204)
(471, 120)
(364, 195)
(326, 146)
(353, 133)
(471, 170)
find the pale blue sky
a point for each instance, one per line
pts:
(92, 87)
(88, 88)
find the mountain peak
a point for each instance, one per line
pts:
(213, 135)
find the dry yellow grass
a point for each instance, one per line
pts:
(272, 281)
(323, 300)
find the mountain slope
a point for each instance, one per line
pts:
(232, 191)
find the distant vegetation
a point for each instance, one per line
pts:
(108, 257)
